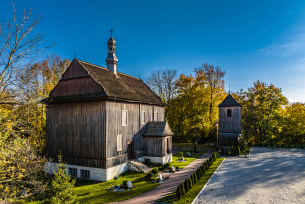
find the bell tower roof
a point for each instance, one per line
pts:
(229, 101)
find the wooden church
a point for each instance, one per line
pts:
(99, 119)
(229, 121)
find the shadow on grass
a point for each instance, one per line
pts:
(96, 192)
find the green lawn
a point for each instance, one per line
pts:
(181, 165)
(190, 196)
(96, 192)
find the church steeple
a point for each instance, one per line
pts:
(111, 60)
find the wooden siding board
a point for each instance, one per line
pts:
(77, 132)
(229, 124)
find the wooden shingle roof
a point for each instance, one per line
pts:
(229, 101)
(159, 129)
(115, 87)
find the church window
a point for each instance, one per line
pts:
(85, 174)
(124, 117)
(155, 116)
(119, 142)
(229, 113)
(73, 172)
(143, 117)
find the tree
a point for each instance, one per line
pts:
(20, 167)
(191, 108)
(162, 83)
(261, 112)
(62, 186)
(19, 41)
(34, 82)
(215, 83)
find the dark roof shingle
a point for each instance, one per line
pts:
(160, 129)
(119, 87)
(229, 101)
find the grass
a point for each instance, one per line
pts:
(190, 196)
(190, 146)
(181, 165)
(96, 192)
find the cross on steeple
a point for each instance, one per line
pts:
(75, 55)
(111, 32)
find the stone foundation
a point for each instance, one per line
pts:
(157, 160)
(96, 174)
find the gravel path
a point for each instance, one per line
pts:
(270, 175)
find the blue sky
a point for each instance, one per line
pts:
(250, 40)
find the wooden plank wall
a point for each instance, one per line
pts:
(71, 84)
(133, 131)
(160, 111)
(230, 124)
(76, 87)
(114, 127)
(154, 146)
(77, 130)
(75, 70)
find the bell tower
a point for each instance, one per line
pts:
(229, 121)
(111, 60)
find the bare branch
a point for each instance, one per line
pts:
(19, 40)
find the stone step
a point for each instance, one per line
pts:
(140, 166)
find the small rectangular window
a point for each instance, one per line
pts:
(143, 117)
(155, 116)
(85, 174)
(124, 117)
(73, 172)
(229, 113)
(119, 142)
(165, 144)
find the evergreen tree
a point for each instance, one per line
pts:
(178, 192)
(62, 187)
(195, 178)
(239, 152)
(186, 185)
(190, 183)
(182, 188)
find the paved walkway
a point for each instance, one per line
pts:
(270, 175)
(170, 185)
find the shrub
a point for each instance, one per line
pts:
(227, 151)
(190, 183)
(195, 178)
(282, 145)
(125, 185)
(151, 178)
(186, 185)
(155, 170)
(181, 154)
(182, 188)
(178, 192)
(149, 174)
(238, 149)
(158, 180)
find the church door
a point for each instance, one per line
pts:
(130, 150)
